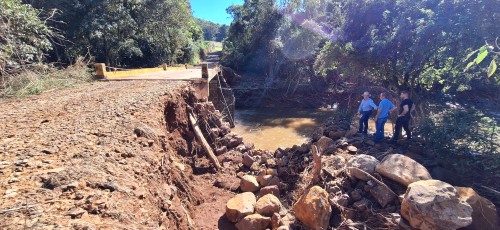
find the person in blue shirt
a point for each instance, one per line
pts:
(384, 108)
(365, 110)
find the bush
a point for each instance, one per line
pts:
(457, 133)
(24, 37)
(44, 78)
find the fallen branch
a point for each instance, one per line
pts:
(491, 190)
(16, 209)
(317, 163)
(204, 143)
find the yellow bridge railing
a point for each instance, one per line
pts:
(101, 71)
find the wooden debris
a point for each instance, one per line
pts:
(204, 143)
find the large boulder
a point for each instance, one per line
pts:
(254, 222)
(267, 205)
(249, 184)
(484, 213)
(240, 206)
(364, 162)
(402, 169)
(313, 209)
(433, 204)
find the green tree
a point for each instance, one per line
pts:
(24, 37)
(414, 44)
(222, 33)
(210, 29)
(127, 33)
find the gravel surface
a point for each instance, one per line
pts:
(90, 157)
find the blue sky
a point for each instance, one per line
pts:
(213, 10)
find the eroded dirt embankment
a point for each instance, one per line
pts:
(99, 156)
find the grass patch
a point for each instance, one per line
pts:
(42, 79)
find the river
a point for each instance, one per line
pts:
(271, 128)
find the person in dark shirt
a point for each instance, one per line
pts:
(404, 117)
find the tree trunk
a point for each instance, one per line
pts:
(204, 143)
(316, 154)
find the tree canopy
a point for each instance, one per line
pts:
(125, 32)
(402, 44)
(212, 31)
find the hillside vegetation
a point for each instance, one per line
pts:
(213, 31)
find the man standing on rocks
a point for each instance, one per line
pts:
(404, 117)
(365, 108)
(384, 108)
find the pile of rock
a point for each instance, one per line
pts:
(360, 178)
(248, 212)
(338, 126)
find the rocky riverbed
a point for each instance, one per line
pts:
(343, 180)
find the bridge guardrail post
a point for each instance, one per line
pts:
(100, 69)
(204, 71)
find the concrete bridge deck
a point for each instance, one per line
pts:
(172, 75)
(211, 68)
(200, 76)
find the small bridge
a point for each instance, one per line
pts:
(207, 80)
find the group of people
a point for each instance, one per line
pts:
(384, 108)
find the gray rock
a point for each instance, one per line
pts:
(382, 194)
(433, 204)
(364, 162)
(402, 169)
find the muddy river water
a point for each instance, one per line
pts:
(271, 128)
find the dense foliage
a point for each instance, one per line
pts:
(24, 37)
(213, 31)
(419, 45)
(125, 32)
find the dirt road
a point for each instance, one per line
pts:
(91, 157)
